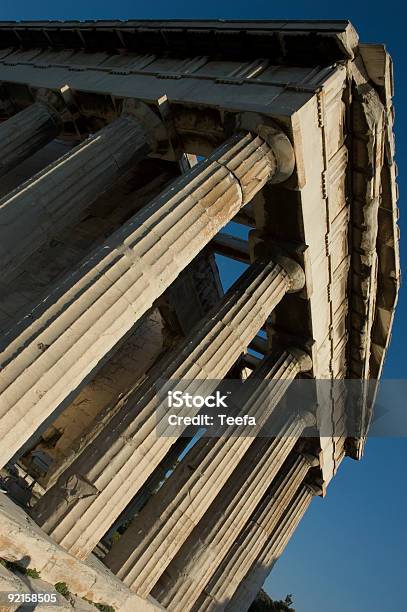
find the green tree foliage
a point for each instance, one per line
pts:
(62, 588)
(264, 603)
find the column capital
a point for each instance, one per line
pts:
(154, 127)
(315, 484)
(308, 419)
(312, 460)
(275, 138)
(59, 101)
(304, 360)
(263, 249)
(314, 489)
(294, 271)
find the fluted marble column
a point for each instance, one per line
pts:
(254, 579)
(59, 345)
(59, 194)
(255, 537)
(201, 554)
(152, 483)
(157, 534)
(88, 497)
(26, 132)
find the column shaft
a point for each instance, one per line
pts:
(26, 132)
(121, 458)
(254, 538)
(201, 554)
(59, 194)
(254, 579)
(152, 484)
(57, 347)
(165, 523)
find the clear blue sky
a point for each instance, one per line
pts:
(349, 553)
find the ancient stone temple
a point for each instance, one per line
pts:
(127, 149)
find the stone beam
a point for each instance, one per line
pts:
(232, 247)
(157, 534)
(96, 488)
(254, 579)
(251, 361)
(27, 132)
(260, 345)
(58, 195)
(62, 342)
(200, 556)
(255, 537)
